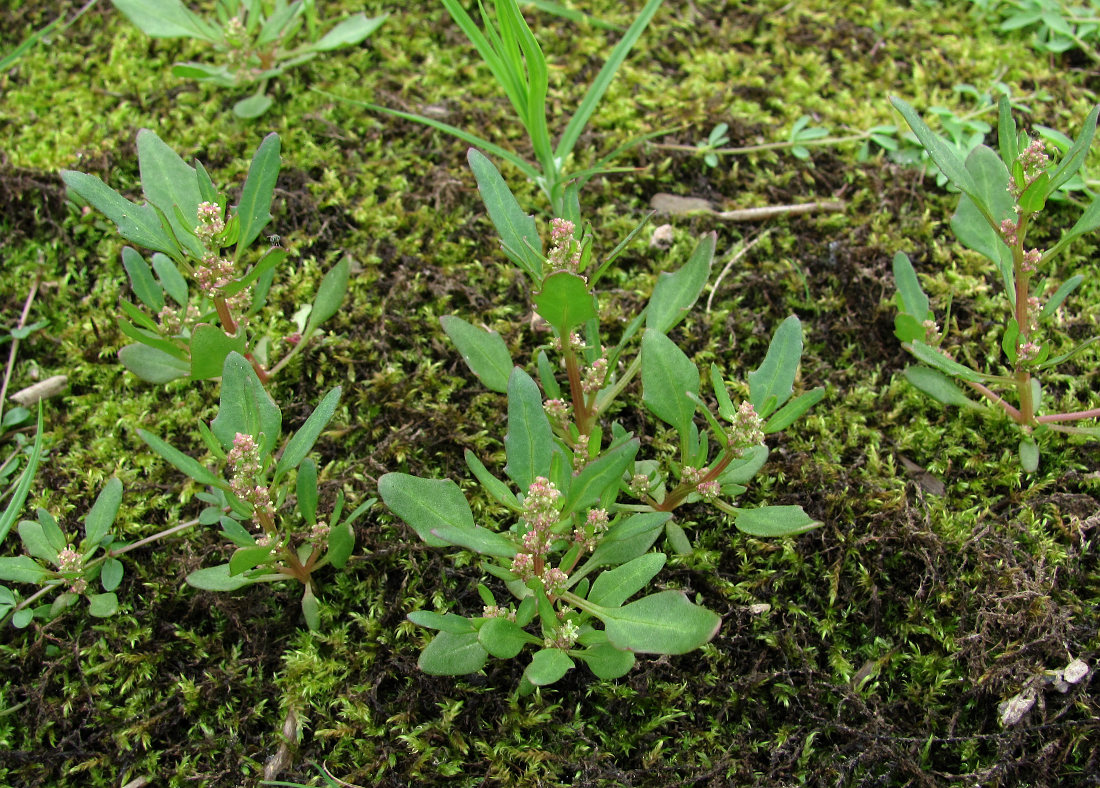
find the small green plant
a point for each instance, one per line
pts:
(1055, 26)
(54, 563)
(573, 552)
(516, 60)
(276, 490)
(255, 39)
(1002, 193)
(177, 332)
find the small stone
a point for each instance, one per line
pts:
(1013, 709)
(760, 608)
(662, 237)
(1075, 671)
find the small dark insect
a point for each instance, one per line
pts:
(274, 240)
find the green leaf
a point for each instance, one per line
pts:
(547, 666)
(144, 284)
(1060, 295)
(494, 486)
(271, 260)
(776, 373)
(615, 586)
(1009, 338)
(246, 407)
(102, 605)
(170, 183)
(456, 625)
(330, 295)
(939, 387)
(1075, 156)
(170, 278)
(677, 538)
(675, 294)
(252, 106)
(520, 239)
(246, 558)
(425, 504)
(152, 365)
(1029, 455)
(590, 484)
(483, 351)
(565, 302)
(311, 609)
(935, 358)
(627, 539)
(167, 19)
(606, 661)
(182, 462)
(102, 515)
(304, 439)
(306, 487)
(449, 654)
(36, 542)
(943, 154)
(351, 31)
(22, 569)
(341, 544)
(138, 224)
(254, 209)
(789, 413)
(23, 486)
(667, 377)
(529, 442)
(210, 346)
(663, 623)
(111, 574)
(1086, 223)
(477, 539)
(218, 578)
(773, 521)
(503, 638)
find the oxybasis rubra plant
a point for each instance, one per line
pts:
(582, 508)
(198, 298)
(266, 499)
(1003, 192)
(256, 40)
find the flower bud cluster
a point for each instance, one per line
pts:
(564, 255)
(557, 411)
(1032, 258)
(691, 475)
(709, 491)
(214, 273)
(747, 429)
(1033, 310)
(1008, 231)
(1027, 352)
(495, 611)
(69, 561)
(244, 465)
(319, 532)
(210, 222)
(639, 485)
(580, 453)
(539, 514)
(564, 637)
(1033, 159)
(595, 376)
(595, 525)
(576, 344)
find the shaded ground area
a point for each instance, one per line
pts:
(873, 651)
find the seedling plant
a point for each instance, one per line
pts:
(575, 551)
(513, 55)
(255, 40)
(1003, 192)
(198, 300)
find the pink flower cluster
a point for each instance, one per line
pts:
(564, 255)
(244, 464)
(747, 429)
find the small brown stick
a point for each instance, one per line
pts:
(737, 255)
(676, 205)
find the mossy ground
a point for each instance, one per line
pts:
(942, 582)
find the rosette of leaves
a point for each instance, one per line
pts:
(1003, 191)
(255, 40)
(56, 564)
(185, 325)
(269, 511)
(585, 509)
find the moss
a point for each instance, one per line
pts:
(942, 580)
